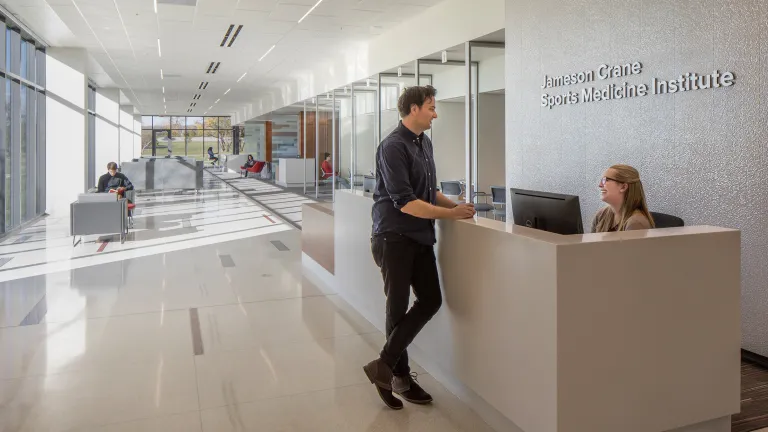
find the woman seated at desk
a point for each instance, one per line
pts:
(627, 209)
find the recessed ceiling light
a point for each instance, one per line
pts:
(310, 11)
(159, 53)
(227, 91)
(267, 53)
(239, 79)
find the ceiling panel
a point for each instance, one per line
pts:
(288, 12)
(191, 38)
(258, 5)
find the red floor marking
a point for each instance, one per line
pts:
(103, 246)
(269, 219)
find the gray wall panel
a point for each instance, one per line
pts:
(702, 154)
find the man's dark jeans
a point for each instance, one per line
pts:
(404, 264)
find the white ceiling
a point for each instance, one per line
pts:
(121, 36)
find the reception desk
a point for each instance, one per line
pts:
(632, 332)
(293, 172)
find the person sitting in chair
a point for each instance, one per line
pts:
(248, 164)
(212, 157)
(328, 172)
(114, 181)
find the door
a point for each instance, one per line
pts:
(162, 143)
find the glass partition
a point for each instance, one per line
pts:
(189, 136)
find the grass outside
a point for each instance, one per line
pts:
(194, 147)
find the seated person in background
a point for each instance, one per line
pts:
(212, 157)
(627, 209)
(114, 181)
(327, 173)
(248, 164)
(327, 167)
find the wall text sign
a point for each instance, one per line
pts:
(683, 83)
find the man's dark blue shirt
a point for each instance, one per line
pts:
(405, 171)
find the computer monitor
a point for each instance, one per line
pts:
(551, 212)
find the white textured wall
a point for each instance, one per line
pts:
(701, 153)
(66, 127)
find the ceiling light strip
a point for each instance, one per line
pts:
(267, 53)
(227, 91)
(106, 52)
(310, 11)
(155, 6)
(161, 74)
(241, 78)
(159, 52)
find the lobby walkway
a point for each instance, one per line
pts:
(202, 321)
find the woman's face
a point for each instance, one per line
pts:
(611, 191)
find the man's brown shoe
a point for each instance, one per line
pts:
(389, 399)
(407, 387)
(379, 374)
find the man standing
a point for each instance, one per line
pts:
(406, 204)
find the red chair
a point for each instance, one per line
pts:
(255, 169)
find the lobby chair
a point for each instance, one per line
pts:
(482, 207)
(666, 221)
(451, 189)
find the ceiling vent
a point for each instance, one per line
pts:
(231, 41)
(193, 104)
(226, 36)
(203, 85)
(197, 96)
(213, 67)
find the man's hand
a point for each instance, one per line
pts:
(463, 211)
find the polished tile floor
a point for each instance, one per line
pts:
(202, 321)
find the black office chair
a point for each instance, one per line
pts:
(666, 221)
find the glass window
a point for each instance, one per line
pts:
(194, 122)
(211, 123)
(195, 144)
(146, 142)
(178, 122)
(225, 141)
(8, 146)
(24, 58)
(161, 122)
(23, 173)
(146, 122)
(225, 122)
(8, 48)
